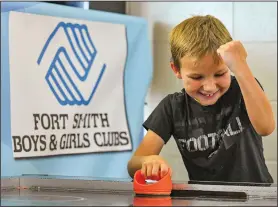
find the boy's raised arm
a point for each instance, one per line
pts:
(257, 104)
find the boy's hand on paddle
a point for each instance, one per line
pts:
(155, 168)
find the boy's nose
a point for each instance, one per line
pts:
(209, 86)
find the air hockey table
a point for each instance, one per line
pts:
(44, 190)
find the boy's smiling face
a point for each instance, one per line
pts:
(204, 80)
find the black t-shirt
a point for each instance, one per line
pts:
(218, 142)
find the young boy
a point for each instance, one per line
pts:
(218, 119)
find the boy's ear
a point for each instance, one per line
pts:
(176, 70)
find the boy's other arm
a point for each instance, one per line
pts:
(148, 149)
(257, 105)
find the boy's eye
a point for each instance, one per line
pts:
(196, 77)
(199, 77)
(218, 75)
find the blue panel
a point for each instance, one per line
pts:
(138, 74)
(15, 6)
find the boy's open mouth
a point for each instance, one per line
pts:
(208, 95)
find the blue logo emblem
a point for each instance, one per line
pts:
(67, 72)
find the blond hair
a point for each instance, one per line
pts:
(196, 37)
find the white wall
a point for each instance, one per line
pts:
(253, 23)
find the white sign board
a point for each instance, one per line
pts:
(66, 86)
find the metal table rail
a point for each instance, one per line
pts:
(58, 191)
